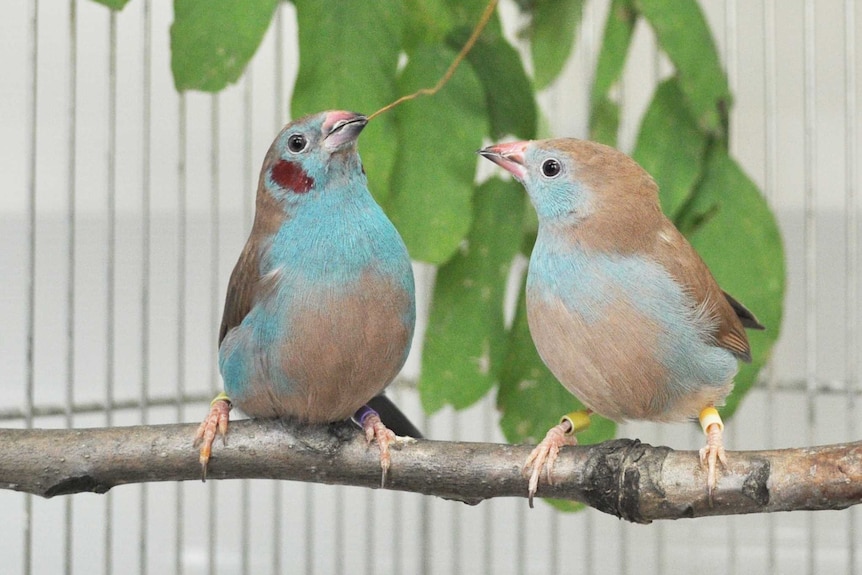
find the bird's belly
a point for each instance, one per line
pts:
(328, 355)
(612, 361)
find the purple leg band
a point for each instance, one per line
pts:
(363, 413)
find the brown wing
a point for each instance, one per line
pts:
(674, 252)
(240, 289)
(245, 283)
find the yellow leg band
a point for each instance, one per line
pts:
(579, 420)
(221, 397)
(708, 416)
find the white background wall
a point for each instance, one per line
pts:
(141, 201)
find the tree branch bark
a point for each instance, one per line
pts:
(623, 477)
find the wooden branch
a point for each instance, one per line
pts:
(623, 477)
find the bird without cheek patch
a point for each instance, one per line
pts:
(291, 176)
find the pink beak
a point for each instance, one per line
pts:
(340, 128)
(509, 156)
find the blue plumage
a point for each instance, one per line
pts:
(320, 309)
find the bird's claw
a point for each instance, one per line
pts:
(545, 455)
(713, 451)
(214, 424)
(375, 429)
(711, 454)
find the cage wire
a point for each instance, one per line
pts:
(126, 205)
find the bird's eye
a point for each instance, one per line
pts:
(551, 167)
(296, 143)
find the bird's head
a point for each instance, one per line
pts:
(569, 180)
(313, 154)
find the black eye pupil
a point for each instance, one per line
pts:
(296, 143)
(551, 168)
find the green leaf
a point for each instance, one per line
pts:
(531, 399)
(670, 147)
(508, 91)
(430, 21)
(336, 74)
(531, 228)
(113, 4)
(604, 112)
(605, 122)
(427, 22)
(432, 184)
(683, 33)
(468, 12)
(742, 246)
(213, 40)
(615, 47)
(465, 339)
(552, 37)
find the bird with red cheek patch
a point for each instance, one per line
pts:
(320, 308)
(621, 308)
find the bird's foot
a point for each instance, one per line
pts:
(713, 451)
(545, 454)
(374, 428)
(215, 423)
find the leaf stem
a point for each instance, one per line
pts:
(477, 31)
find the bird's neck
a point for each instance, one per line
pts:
(556, 254)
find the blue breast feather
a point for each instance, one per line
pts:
(323, 249)
(588, 282)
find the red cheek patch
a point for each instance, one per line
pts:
(291, 176)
